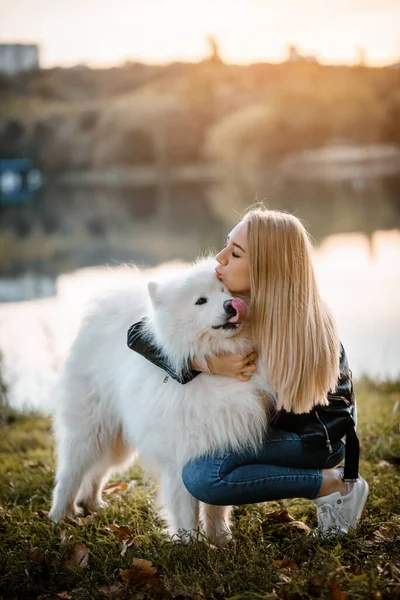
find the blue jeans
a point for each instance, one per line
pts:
(281, 468)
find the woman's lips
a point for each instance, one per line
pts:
(218, 274)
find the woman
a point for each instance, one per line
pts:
(268, 258)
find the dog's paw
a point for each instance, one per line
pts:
(219, 538)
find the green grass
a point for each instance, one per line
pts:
(360, 565)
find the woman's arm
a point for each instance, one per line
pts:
(229, 365)
(239, 366)
(139, 342)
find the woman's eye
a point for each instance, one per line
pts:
(201, 301)
(235, 255)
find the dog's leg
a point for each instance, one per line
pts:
(182, 509)
(216, 523)
(89, 495)
(118, 457)
(76, 456)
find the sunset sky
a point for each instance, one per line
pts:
(107, 33)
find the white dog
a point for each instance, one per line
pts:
(114, 401)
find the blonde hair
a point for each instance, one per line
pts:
(297, 336)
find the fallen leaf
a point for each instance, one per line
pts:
(386, 533)
(43, 514)
(116, 590)
(121, 532)
(384, 463)
(279, 516)
(79, 557)
(285, 563)
(37, 465)
(144, 578)
(334, 591)
(112, 488)
(298, 526)
(79, 521)
(37, 555)
(391, 569)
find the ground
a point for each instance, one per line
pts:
(124, 552)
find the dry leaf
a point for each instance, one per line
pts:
(391, 569)
(112, 488)
(285, 563)
(43, 514)
(144, 577)
(384, 463)
(79, 557)
(37, 555)
(121, 532)
(386, 533)
(298, 526)
(79, 521)
(279, 516)
(334, 591)
(37, 465)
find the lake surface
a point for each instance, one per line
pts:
(53, 249)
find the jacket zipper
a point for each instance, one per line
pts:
(328, 441)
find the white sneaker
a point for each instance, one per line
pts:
(336, 513)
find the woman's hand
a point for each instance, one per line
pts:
(239, 366)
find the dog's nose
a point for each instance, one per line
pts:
(230, 311)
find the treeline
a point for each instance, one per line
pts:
(80, 118)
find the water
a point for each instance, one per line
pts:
(355, 227)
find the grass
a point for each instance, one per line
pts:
(34, 554)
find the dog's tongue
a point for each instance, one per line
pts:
(241, 310)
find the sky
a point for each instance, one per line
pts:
(103, 33)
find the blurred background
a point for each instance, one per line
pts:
(138, 132)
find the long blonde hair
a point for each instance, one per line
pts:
(297, 336)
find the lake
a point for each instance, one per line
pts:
(67, 244)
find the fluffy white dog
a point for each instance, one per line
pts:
(113, 401)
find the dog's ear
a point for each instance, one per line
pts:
(152, 286)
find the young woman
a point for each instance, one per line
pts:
(268, 259)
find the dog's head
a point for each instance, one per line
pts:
(195, 312)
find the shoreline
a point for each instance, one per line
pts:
(332, 163)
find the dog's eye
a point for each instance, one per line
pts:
(201, 301)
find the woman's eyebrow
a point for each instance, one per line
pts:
(237, 245)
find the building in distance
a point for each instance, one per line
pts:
(15, 58)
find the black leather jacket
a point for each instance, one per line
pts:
(321, 427)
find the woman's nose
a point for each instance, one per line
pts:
(221, 258)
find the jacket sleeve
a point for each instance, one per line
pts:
(139, 342)
(344, 386)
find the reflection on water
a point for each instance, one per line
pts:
(358, 277)
(356, 231)
(69, 228)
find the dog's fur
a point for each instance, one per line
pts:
(114, 401)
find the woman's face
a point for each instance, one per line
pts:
(233, 268)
